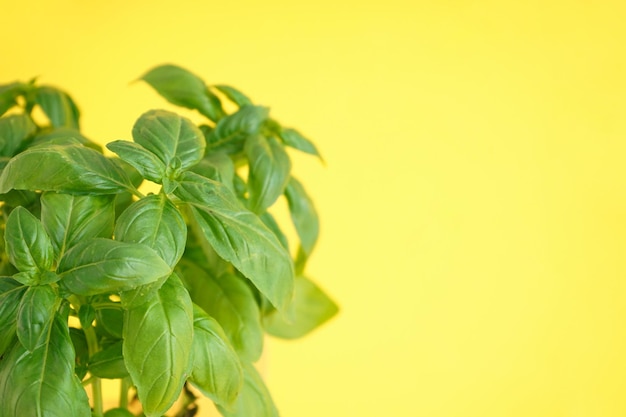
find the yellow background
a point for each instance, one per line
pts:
(473, 204)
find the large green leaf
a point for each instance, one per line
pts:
(13, 130)
(239, 236)
(231, 302)
(11, 292)
(144, 161)
(303, 215)
(27, 244)
(216, 368)
(156, 222)
(269, 171)
(254, 399)
(35, 315)
(311, 308)
(98, 265)
(182, 88)
(58, 106)
(70, 219)
(234, 95)
(158, 337)
(231, 132)
(72, 169)
(175, 140)
(294, 139)
(42, 383)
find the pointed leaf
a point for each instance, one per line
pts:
(13, 130)
(144, 161)
(294, 139)
(216, 368)
(27, 244)
(70, 219)
(73, 169)
(182, 88)
(11, 293)
(156, 222)
(231, 132)
(35, 314)
(311, 308)
(269, 171)
(81, 349)
(231, 302)
(61, 135)
(175, 140)
(303, 215)
(58, 106)
(8, 94)
(97, 266)
(158, 337)
(42, 383)
(239, 236)
(254, 399)
(234, 95)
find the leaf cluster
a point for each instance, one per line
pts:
(164, 290)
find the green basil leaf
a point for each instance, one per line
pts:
(81, 349)
(254, 399)
(175, 140)
(58, 106)
(156, 222)
(216, 368)
(294, 139)
(231, 132)
(144, 161)
(23, 198)
(239, 237)
(271, 224)
(231, 302)
(269, 171)
(72, 169)
(43, 382)
(11, 293)
(27, 244)
(8, 94)
(118, 412)
(218, 167)
(311, 308)
(158, 337)
(234, 95)
(70, 219)
(86, 315)
(108, 363)
(109, 321)
(303, 215)
(63, 135)
(97, 266)
(182, 88)
(36, 311)
(13, 130)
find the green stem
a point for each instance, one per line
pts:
(96, 386)
(124, 392)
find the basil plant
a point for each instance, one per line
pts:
(163, 290)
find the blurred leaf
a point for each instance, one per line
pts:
(269, 171)
(231, 132)
(58, 106)
(13, 130)
(234, 95)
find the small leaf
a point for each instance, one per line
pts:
(8, 94)
(13, 130)
(216, 368)
(11, 293)
(239, 236)
(303, 215)
(234, 95)
(86, 315)
(182, 88)
(144, 161)
(118, 412)
(58, 106)
(97, 266)
(27, 244)
(156, 222)
(294, 139)
(70, 219)
(79, 342)
(231, 302)
(71, 169)
(231, 132)
(175, 140)
(157, 346)
(218, 167)
(254, 399)
(43, 382)
(109, 320)
(269, 171)
(311, 308)
(108, 363)
(35, 314)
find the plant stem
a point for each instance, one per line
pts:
(124, 392)
(96, 386)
